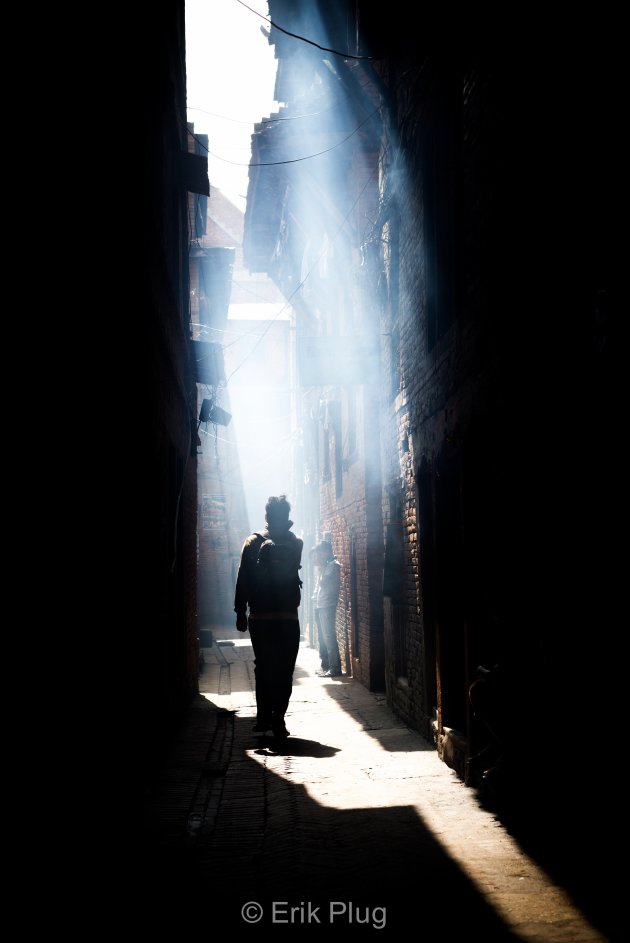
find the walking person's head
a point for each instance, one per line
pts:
(277, 511)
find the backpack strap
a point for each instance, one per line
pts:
(256, 546)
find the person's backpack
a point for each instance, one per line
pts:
(277, 583)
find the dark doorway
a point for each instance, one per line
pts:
(441, 586)
(451, 649)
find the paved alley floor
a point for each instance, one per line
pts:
(352, 824)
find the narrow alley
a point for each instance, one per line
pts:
(353, 823)
(405, 329)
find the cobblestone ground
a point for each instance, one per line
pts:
(352, 824)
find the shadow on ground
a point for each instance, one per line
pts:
(293, 746)
(568, 823)
(554, 800)
(265, 841)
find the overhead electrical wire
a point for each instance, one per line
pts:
(267, 120)
(335, 52)
(276, 163)
(207, 327)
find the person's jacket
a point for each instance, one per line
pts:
(245, 577)
(328, 584)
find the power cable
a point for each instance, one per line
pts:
(335, 52)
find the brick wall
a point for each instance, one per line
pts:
(489, 397)
(443, 378)
(353, 519)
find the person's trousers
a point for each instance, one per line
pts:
(323, 650)
(276, 645)
(328, 644)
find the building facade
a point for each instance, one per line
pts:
(453, 297)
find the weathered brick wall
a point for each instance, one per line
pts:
(491, 390)
(437, 390)
(345, 520)
(403, 362)
(349, 497)
(348, 519)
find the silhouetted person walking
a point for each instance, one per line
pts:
(268, 582)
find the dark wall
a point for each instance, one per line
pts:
(504, 416)
(510, 395)
(166, 635)
(140, 523)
